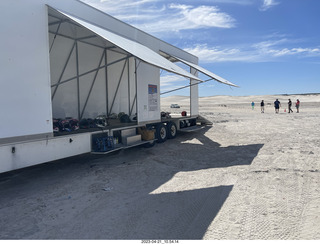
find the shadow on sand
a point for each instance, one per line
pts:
(110, 197)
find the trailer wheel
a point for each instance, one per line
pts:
(161, 133)
(172, 130)
(182, 124)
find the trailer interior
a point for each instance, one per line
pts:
(94, 90)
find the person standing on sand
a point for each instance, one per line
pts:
(289, 106)
(252, 104)
(297, 105)
(277, 105)
(262, 106)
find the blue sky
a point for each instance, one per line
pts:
(264, 46)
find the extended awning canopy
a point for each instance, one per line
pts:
(138, 50)
(201, 69)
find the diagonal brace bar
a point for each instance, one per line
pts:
(90, 71)
(94, 80)
(63, 70)
(116, 93)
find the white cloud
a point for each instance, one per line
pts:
(267, 4)
(308, 52)
(273, 50)
(154, 16)
(171, 81)
(266, 45)
(120, 7)
(169, 78)
(239, 2)
(185, 17)
(270, 48)
(203, 16)
(123, 4)
(217, 54)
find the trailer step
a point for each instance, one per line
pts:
(203, 120)
(121, 146)
(106, 152)
(192, 128)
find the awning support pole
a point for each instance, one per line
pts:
(106, 74)
(78, 80)
(185, 86)
(134, 102)
(191, 91)
(128, 88)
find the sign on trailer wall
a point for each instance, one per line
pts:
(153, 97)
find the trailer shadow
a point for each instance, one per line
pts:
(115, 197)
(210, 153)
(174, 215)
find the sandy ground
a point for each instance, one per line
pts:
(251, 175)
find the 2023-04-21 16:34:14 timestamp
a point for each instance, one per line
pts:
(159, 241)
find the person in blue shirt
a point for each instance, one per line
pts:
(252, 104)
(277, 105)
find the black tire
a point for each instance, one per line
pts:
(161, 133)
(182, 124)
(172, 130)
(193, 122)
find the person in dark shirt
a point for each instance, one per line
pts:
(289, 106)
(277, 105)
(262, 106)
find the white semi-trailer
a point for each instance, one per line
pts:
(75, 80)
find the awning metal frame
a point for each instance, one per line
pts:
(138, 50)
(105, 66)
(198, 68)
